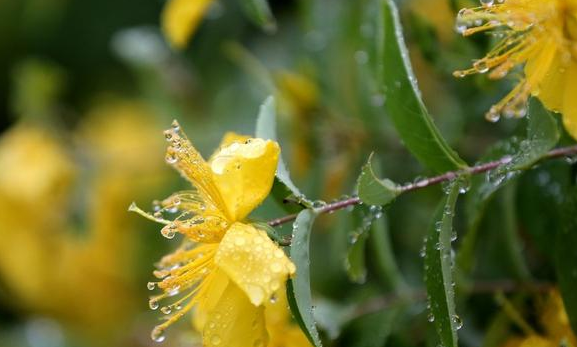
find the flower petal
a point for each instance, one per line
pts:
(244, 173)
(207, 303)
(180, 18)
(545, 73)
(570, 100)
(235, 322)
(255, 263)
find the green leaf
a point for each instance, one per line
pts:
(438, 270)
(566, 257)
(374, 191)
(355, 260)
(482, 190)
(542, 136)
(299, 288)
(260, 13)
(383, 258)
(370, 330)
(403, 99)
(266, 129)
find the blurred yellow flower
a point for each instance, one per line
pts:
(542, 35)
(554, 323)
(180, 18)
(44, 249)
(225, 268)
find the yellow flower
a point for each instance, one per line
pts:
(282, 332)
(542, 35)
(555, 327)
(180, 18)
(225, 268)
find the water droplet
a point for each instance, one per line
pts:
(166, 309)
(457, 321)
(430, 317)
(453, 235)
(487, 3)
(319, 204)
(215, 340)
(481, 66)
(168, 135)
(151, 285)
(273, 299)
(175, 126)
(493, 115)
(361, 57)
(153, 304)
(157, 334)
(171, 158)
(168, 231)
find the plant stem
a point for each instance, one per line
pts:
(427, 182)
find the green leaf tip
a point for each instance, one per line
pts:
(375, 191)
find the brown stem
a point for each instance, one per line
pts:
(427, 182)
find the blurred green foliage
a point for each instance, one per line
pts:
(63, 61)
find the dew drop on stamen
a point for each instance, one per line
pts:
(487, 3)
(171, 158)
(493, 115)
(175, 126)
(481, 66)
(168, 231)
(151, 285)
(153, 304)
(157, 334)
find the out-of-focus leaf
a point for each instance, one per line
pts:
(383, 259)
(439, 270)
(403, 99)
(266, 129)
(542, 136)
(331, 316)
(355, 261)
(370, 330)
(540, 195)
(482, 189)
(260, 13)
(566, 257)
(299, 288)
(375, 191)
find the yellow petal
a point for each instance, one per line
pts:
(537, 341)
(570, 101)
(546, 72)
(244, 173)
(228, 139)
(235, 322)
(282, 331)
(180, 18)
(252, 261)
(208, 302)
